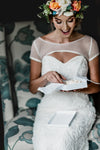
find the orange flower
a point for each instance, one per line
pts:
(54, 5)
(76, 5)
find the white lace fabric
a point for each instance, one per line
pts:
(85, 46)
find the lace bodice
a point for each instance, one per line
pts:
(85, 46)
(75, 67)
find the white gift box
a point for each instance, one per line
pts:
(62, 118)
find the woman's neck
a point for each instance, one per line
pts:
(56, 38)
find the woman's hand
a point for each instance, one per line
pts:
(54, 77)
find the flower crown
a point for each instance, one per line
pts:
(65, 7)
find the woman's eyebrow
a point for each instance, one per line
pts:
(57, 19)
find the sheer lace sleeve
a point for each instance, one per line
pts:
(94, 49)
(34, 55)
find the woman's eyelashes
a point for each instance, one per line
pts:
(60, 21)
(70, 20)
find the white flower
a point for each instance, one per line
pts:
(62, 9)
(68, 13)
(63, 2)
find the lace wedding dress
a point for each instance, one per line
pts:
(74, 137)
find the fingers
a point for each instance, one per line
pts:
(63, 77)
(71, 91)
(53, 79)
(53, 76)
(78, 90)
(64, 91)
(58, 78)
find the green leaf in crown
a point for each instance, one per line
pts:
(24, 121)
(25, 36)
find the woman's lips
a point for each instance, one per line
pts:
(65, 32)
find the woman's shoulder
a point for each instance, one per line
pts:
(78, 35)
(89, 37)
(37, 41)
(48, 37)
(91, 40)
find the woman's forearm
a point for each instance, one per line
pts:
(51, 76)
(91, 89)
(35, 84)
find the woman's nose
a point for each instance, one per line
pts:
(65, 27)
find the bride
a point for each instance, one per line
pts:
(56, 57)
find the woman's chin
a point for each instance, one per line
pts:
(66, 34)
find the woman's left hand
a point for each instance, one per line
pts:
(77, 90)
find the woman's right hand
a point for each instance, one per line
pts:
(54, 77)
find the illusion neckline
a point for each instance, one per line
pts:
(46, 41)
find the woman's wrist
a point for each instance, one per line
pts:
(44, 80)
(91, 89)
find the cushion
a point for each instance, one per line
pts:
(19, 131)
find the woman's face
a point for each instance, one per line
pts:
(64, 25)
